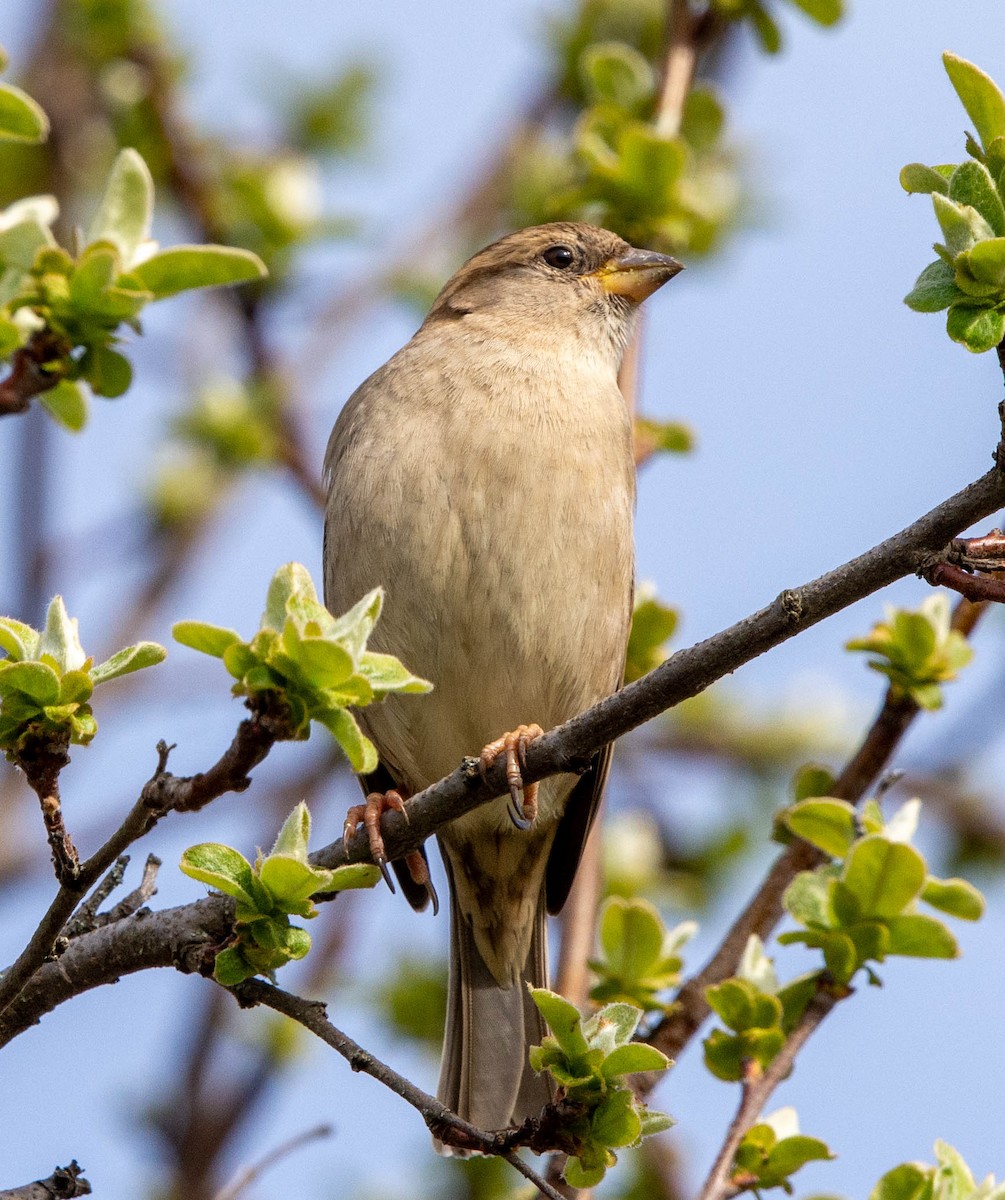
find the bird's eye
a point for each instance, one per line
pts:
(560, 257)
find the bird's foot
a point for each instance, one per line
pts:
(523, 800)
(368, 815)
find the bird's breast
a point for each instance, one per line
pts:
(495, 507)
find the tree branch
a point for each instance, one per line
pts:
(64, 1183)
(764, 911)
(28, 376)
(163, 792)
(441, 1122)
(757, 1088)
(569, 747)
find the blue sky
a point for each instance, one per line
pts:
(828, 416)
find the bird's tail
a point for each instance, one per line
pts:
(484, 1074)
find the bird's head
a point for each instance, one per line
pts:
(566, 279)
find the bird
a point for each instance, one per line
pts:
(485, 477)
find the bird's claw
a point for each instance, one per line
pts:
(522, 807)
(368, 814)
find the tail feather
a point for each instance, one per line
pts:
(484, 1075)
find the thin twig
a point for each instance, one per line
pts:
(764, 910)
(31, 371)
(247, 1175)
(85, 918)
(163, 792)
(41, 757)
(65, 1183)
(441, 1122)
(757, 1088)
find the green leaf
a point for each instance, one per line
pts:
(791, 1153)
(107, 371)
(633, 1058)
(971, 183)
(978, 329)
(231, 967)
(812, 781)
(132, 658)
(986, 262)
(289, 879)
(934, 289)
(67, 404)
(360, 751)
(207, 639)
(824, 12)
(34, 679)
(563, 1019)
(807, 898)
(126, 209)
(653, 624)
(182, 268)
(577, 1176)
(295, 834)
(325, 664)
(385, 674)
(60, 639)
(956, 897)
(919, 936)
(954, 1171)
(655, 1122)
(612, 1026)
(670, 437)
(885, 876)
(916, 177)
(768, 34)
(223, 868)
(616, 73)
(75, 687)
(961, 225)
(980, 95)
(701, 126)
(351, 876)
(733, 1001)
(17, 639)
(21, 118)
(909, 1181)
(825, 823)
(21, 242)
(631, 934)
(615, 1121)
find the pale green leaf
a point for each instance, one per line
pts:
(60, 638)
(295, 834)
(126, 210)
(21, 118)
(980, 95)
(182, 268)
(223, 868)
(132, 658)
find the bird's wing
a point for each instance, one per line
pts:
(577, 820)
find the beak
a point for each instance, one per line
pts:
(637, 274)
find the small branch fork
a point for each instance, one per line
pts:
(28, 376)
(443, 1124)
(966, 556)
(757, 1088)
(162, 794)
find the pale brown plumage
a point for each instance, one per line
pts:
(485, 477)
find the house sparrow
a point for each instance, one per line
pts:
(485, 477)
